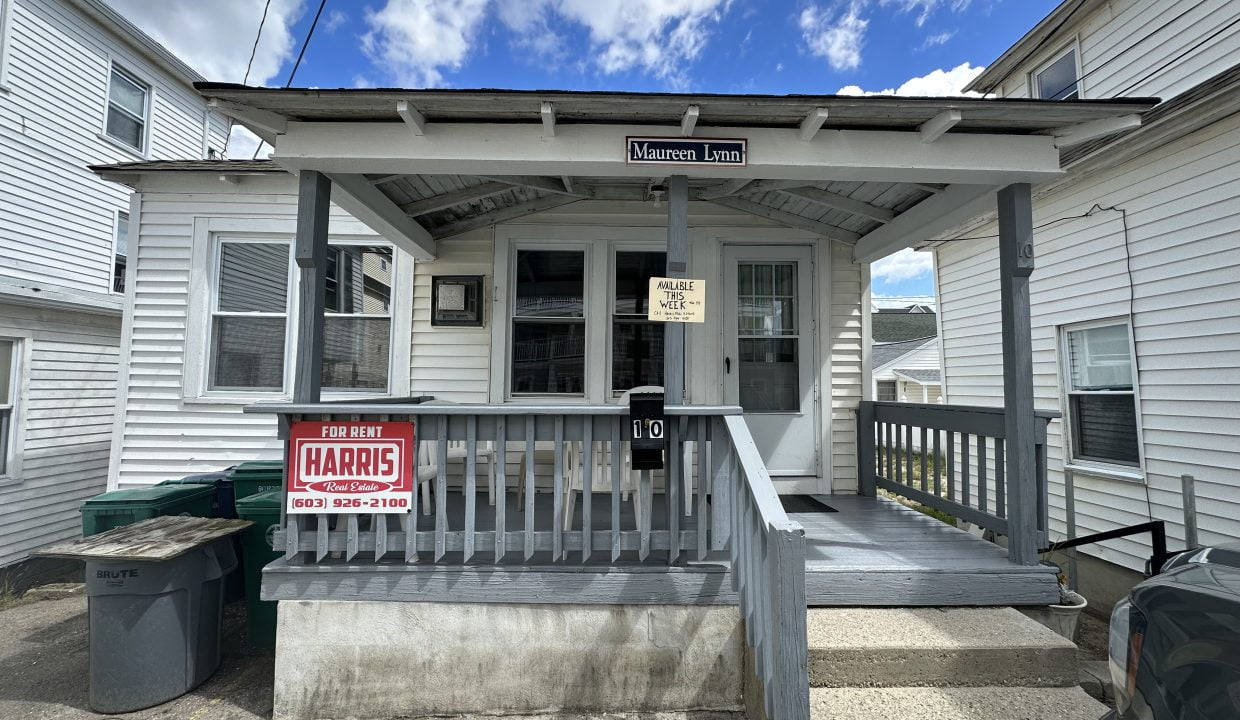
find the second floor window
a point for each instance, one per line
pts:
(127, 109)
(1058, 80)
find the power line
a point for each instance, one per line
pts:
(1035, 49)
(254, 49)
(1179, 57)
(293, 73)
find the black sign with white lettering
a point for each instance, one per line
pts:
(686, 151)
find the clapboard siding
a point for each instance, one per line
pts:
(1125, 44)
(1183, 213)
(51, 124)
(164, 433)
(67, 399)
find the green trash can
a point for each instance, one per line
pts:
(126, 507)
(257, 476)
(256, 551)
(221, 480)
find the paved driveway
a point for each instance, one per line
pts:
(44, 669)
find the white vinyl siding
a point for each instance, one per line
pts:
(57, 68)
(1183, 219)
(1156, 34)
(845, 346)
(62, 428)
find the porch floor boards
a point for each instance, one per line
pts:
(877, 552)
(871, 552)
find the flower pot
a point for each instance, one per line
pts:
(1062, 618)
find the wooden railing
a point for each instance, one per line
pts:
(950, 458)
(768, 574)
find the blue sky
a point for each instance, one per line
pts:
(909, 47)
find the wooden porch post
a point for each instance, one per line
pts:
(677, 266)
(1015, 267)
(313, 209)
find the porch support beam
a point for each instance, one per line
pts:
(925, 220)
(787, 218)
(1020, 431)
(262, 123)
(585, 150)
(677, 267)
(310, 250)
(1084, 132)
(842, 202)
(361, 199)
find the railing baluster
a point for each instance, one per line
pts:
(501, 486)
(938, 482)
(966, 460)
(925, 448)
(616, 466)
(378, 526)
(529, 485)
(704, 518)
(908, 455)
(587, 489)
(890, 433)
(899, 430)
(471, 483)
(321, 528)
(646, 508)
(557, 500)
(672, 478)
(351, 539)
(411, 520)
(981, 474)
(291, 541)
(1000, 479)
(441, 490)
(951, 465)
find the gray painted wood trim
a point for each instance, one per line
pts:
(310, 250)
(913, 588)
(1015, 266)
(677, 267)
(865, 449)
(454, 540)
(790, 648)
(554, 585)
(481, 410)
(968, 514)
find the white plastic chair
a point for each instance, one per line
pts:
(428, 465)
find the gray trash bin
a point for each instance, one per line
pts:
(154, 626)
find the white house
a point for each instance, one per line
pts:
(906, 371)
(79, 85)
(547, 228)
(1136, 297)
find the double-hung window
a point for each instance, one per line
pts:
(636, 343)
(1058, 79)
(128, 106)
(8, 400)
(549, 323)
(358, 323)
(249, 316)
(1101, 394)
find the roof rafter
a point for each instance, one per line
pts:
(501, 215)
(842, 202)
(731, 187)
(934, 128)
(548, 119)
(414, 119)
(787, 218)
(456, 197)
(689, 120)
(361, 199)
(537, 182)
(813, 123)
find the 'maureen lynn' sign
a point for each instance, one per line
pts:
(686, 151)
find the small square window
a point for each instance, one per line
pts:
(456, 301)
(1058, 80)
(128, 102)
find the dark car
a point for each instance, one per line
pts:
(1175, 641)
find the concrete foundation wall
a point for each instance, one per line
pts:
(1102, 583)
(376, 660)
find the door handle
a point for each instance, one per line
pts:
(727, 365)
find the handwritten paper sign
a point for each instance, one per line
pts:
(677, 300)
(350, 467)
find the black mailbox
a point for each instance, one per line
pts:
(647, 430)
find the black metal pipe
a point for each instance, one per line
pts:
(1158, 539)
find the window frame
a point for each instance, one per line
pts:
(1035, 84)
(509, 319)
(148, 103)
(613, 248)
(116, 232)
(334, 242)
(6, 12)
(1088, 465)
(207, 234)
(894, 387)
(18, 390)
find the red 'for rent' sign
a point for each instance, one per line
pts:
(350, 467)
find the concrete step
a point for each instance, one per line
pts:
(957, 703)
(935, 647)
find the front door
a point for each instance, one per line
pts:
(768, 348)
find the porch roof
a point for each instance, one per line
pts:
(880, 172)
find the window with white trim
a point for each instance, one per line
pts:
(885, 391)
(636, 342)
(8, 401)
(251, 316)
(5, 8)
(1058, 79)
(120, 252)
(549, 323)
(128, 109)
(1102, 411)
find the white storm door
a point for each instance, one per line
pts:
(768, 347)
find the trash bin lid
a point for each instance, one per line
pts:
(221, 477)
(155, 495)
(261, 502)
(259, 469)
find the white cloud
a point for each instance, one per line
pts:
(190, 29)
(335, 19)
(937, 39)
(657, 37)
(906, 264)
(925, 8)
(937, 83)
(838, 37)
(416, 40)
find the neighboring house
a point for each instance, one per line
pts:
(906, 371)
(78, 85)
(1136, 293)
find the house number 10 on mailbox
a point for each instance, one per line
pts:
(350, 467)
